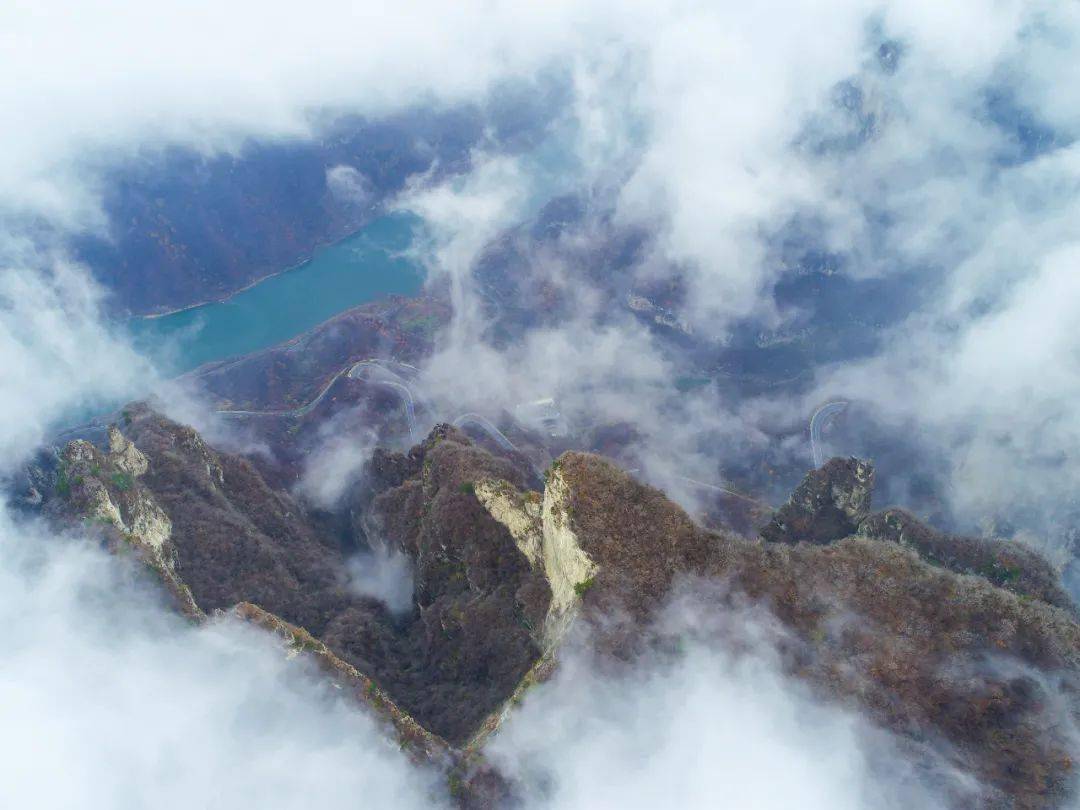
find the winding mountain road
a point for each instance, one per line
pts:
(303, 410)
(377, 371)
(374, 371)
(822, 416)
(486, 426)
(725, 490)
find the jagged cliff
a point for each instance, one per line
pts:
(968, 641)
(541, 527)
(967, 648)
(103, 489)
(211, 522)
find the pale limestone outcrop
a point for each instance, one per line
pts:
(125, 505)
(100, 506)
(125, 455)
(79, 451)
(148, 522)
(103, 488)
(545, 534)
(566, 565)
(190, 440)
(518, 512)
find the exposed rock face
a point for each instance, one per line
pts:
(235, 538)
(570, 571)
(518, 512)
(103, 489)
(826, 506)
(125, 455)
(212, 519)
(968, 649)
(638, 539)
(925, 651)
(543, 531)
(480, 604)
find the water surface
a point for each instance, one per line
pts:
(363, 267)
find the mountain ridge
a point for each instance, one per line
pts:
(873, 613)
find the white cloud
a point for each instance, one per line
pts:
(349, 184)
(984, 370)
(340, 450)
(700, 106)
(89, 81)
(704, 728)
(109, 700)
(57, 356)
(385, 575)
(725, 94)
(461, 216)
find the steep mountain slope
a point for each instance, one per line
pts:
(212, 521)
(967, 649)
(930, 650)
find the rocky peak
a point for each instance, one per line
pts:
(213, 518)
(542, 527)
(103, 487)
(826, 506)
(867, 619)
(877, 611)
(104, 490)
(124, 455)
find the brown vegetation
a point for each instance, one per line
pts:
(967, 648)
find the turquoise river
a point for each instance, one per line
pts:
(366, 266)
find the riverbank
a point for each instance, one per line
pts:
(297, 265)
(369, 264)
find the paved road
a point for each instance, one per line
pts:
(375, 371)
(385, 372)
(486, 426)
(489, 428)
(297, 412)
(382, 372)
(725, 490)
(822, 416)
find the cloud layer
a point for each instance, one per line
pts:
(701, 728)
(109, 700)
(922, 138)
(888, 143)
